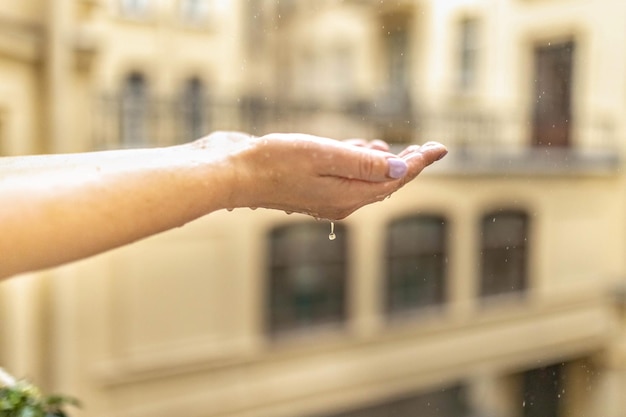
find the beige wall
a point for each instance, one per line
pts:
(175, 324)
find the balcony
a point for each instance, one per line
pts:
(486, 143)
(481, 142)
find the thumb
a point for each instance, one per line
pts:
(419, 157)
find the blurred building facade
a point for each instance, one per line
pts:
(491, 286)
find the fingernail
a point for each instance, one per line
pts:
(397, 168)
(444, 153)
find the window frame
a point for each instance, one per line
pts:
(468, 64)
(284, 323)
(194, 107)
(438, 284)
(520, 247)
(134, 111)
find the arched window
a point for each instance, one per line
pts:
(194, 109)
(307, 277)
(504, 253)
(416, 263)
(134, 111)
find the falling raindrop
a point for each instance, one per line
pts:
(332, 235)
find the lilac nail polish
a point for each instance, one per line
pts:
(397, 168)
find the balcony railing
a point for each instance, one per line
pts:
(481, 141)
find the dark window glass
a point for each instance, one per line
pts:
(468, 59)
(416, 263)
(398, 59)
(194, 108)
(544, 391)
(447, 402)
(552, 110)
(504, 253)
(307, 282)
(134, 109)
(396, 41)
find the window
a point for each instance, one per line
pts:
(446, 402)
(194, 110)
(544, 391)
(134, 109)
(504, 242)
(416, 263)
(195, 12)
(397, 48)
(307, 282)
(468, 53)
(552, 110)
(135, 9)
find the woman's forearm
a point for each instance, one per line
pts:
(59, 208)
(65, 207)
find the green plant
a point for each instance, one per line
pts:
(20, 398)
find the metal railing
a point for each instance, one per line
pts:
(479, 138)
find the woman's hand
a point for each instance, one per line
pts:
(321, 177)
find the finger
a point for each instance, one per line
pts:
(429, 146)
(419, 157)
(379, 144)
(364, 164)
(356, 142)
(340, 159)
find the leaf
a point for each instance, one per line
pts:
(29, 411)
(59, 400)
(5, 404)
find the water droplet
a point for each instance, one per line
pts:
(332, 235)
(253, 208)
(230, 209)
(288, 212)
